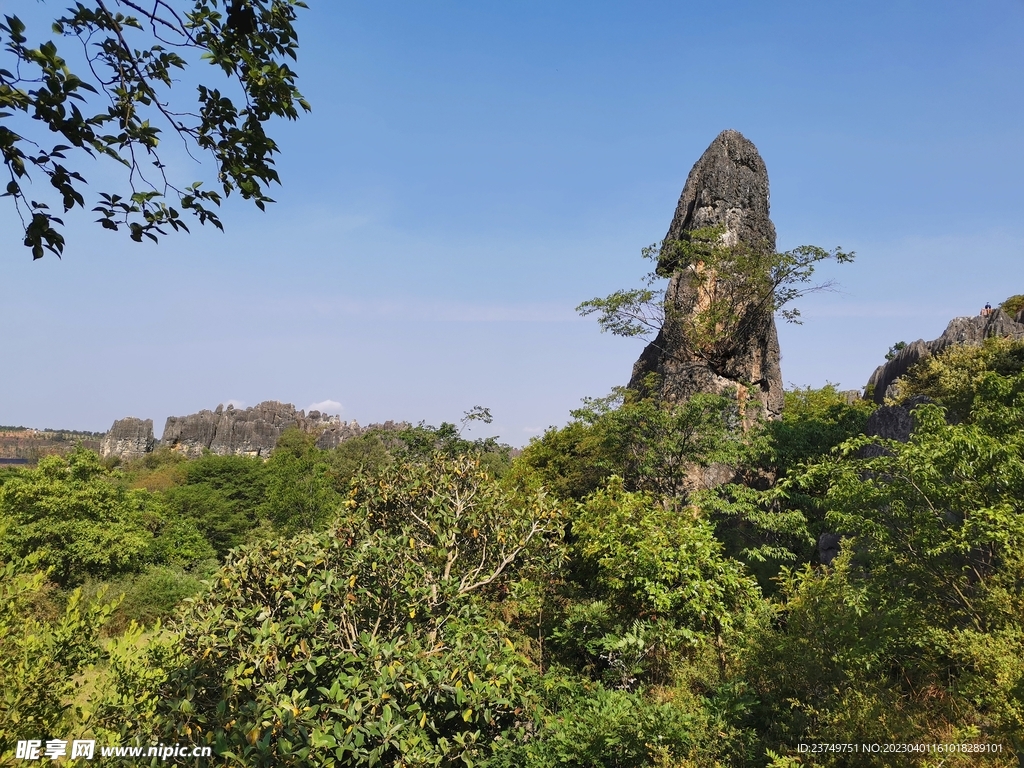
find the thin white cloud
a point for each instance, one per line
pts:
(325, 406)
(235, 403)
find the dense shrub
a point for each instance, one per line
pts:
(76, 518)
(961, 378)
(916, 633)
(155, 594)
(1013, 305)
(366, 643)
(42, 656)
(813, 422)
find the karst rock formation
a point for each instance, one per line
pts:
(971, 331)
(128, 439)
(230, 431)
(250, 432)
(727, 188)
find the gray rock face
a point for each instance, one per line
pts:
(230, 431)
(961, 330)
(128, 439)
(891, 422)
(250, 432)
(828, 547)
(728, 187)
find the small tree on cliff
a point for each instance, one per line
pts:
(734, 286)
(118, 106)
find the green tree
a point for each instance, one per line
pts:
(179, 542)
(734, 285)
(813, 423)
(658, 447)
(895, 349)
(366, 643)
(765, 523)
(651, 563)
(302, 489)
(655, 447)
(571, 461)
(589, 725)
(42, 657)
(420, 442)
(369, 453)
(961, 378)
(1013, 305)
(76, 519)
(121, 103)
(221, 496)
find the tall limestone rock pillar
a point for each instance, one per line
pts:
(727, 188)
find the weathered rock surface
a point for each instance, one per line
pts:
(128, 439)
(828, 547)
(891, 422)
(961, 330)
(249, 432)
(728, 187)
(230, 431)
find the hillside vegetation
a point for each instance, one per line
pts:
(33, 444)
(417, 599)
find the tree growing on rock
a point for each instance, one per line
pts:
(712, 326)
(732, 286)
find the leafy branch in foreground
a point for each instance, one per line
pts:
(120, 110)
(729, 287)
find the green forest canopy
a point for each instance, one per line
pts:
(414, 598)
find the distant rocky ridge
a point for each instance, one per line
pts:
(230, 431)
(971, 331)
(33, 444)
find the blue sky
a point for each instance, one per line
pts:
(472, 171)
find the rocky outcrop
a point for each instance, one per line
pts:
(128, 439)
(728, 188)
(230, 431)
(828, 547)
(961, 330)
(250, 432)
(21, 443)
(337, 432)
(891, 422)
